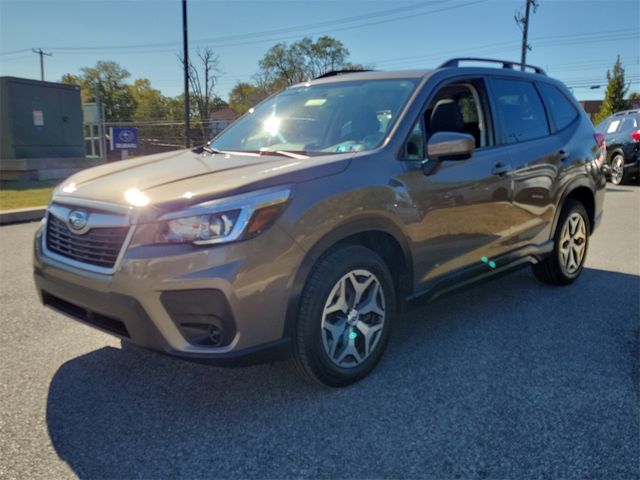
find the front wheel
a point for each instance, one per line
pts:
(571, 241)
(345, 317)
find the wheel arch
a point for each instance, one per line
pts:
(581, 191)
(615, 151)
(379, 235)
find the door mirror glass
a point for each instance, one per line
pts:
(450, 146)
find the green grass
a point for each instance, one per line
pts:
(24, 194)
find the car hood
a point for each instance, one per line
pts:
(185, 178)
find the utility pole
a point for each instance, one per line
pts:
(185, 58)
(41, 53)
(523, 23)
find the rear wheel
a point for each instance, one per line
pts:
(617, 170)
(345, 317)
(571, 241)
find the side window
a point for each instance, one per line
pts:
(561, 109)
(459, 108)
(520, 109)
(613, 126)
(628, 124)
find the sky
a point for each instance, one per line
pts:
(576, 41)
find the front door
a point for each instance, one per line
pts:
(462, 207)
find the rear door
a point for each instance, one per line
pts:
(534, 155)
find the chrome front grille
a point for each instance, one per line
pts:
(99, 246)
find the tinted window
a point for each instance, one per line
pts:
(520, 108)
(562, 111)
(628, 124)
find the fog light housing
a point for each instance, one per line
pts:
(203, 317)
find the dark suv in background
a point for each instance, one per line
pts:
(302, 229)
(622, 135)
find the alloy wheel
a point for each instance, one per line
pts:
(617, 170)
(353, 318)
(573, 243)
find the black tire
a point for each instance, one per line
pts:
(617, 175)
(551, 270)
(309, 356)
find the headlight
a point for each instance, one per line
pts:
(219, 221)
(199, 229)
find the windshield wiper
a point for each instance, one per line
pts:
(209, 149)
(286, 153)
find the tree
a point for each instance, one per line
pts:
(109, 77)
(244, 96)
(634, 100)
(202, 83)
(283, 65)
(150, 103)
(614, 100)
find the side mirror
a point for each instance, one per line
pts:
(450, 146)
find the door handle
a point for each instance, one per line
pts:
(563, 154)
(501, 169)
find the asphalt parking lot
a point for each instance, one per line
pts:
(511, 379)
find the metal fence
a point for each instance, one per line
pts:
(154, 136)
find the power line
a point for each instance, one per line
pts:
(123, 49)
(13, 52)
(264, 33)
(544, 44)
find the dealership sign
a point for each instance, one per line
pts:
(124, 138)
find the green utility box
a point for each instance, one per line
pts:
(41, 131)
(40, 119)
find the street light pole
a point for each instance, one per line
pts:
(40, 52)
(185, 57)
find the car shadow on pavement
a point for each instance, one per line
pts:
(618, 190)
(511, 379)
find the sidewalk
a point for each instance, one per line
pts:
(20, 215)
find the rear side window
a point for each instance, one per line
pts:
(629, 124)
(561, 109)
(520, 109)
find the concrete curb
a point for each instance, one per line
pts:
(22, 215)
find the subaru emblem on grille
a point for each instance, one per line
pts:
(78, 219)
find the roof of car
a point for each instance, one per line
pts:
(508, 68)
(627, 112)
(371, 75)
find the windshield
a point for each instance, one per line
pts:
(331, 118)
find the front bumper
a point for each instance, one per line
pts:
(157, 295)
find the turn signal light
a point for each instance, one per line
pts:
(263, 218)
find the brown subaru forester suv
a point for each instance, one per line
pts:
(303, 228)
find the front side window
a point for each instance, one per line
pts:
(458, 108)
(338, 117)
(521, 111)
(561, 109)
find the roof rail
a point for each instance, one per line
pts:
(627, 112)
(454, 62)
(335, 73)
